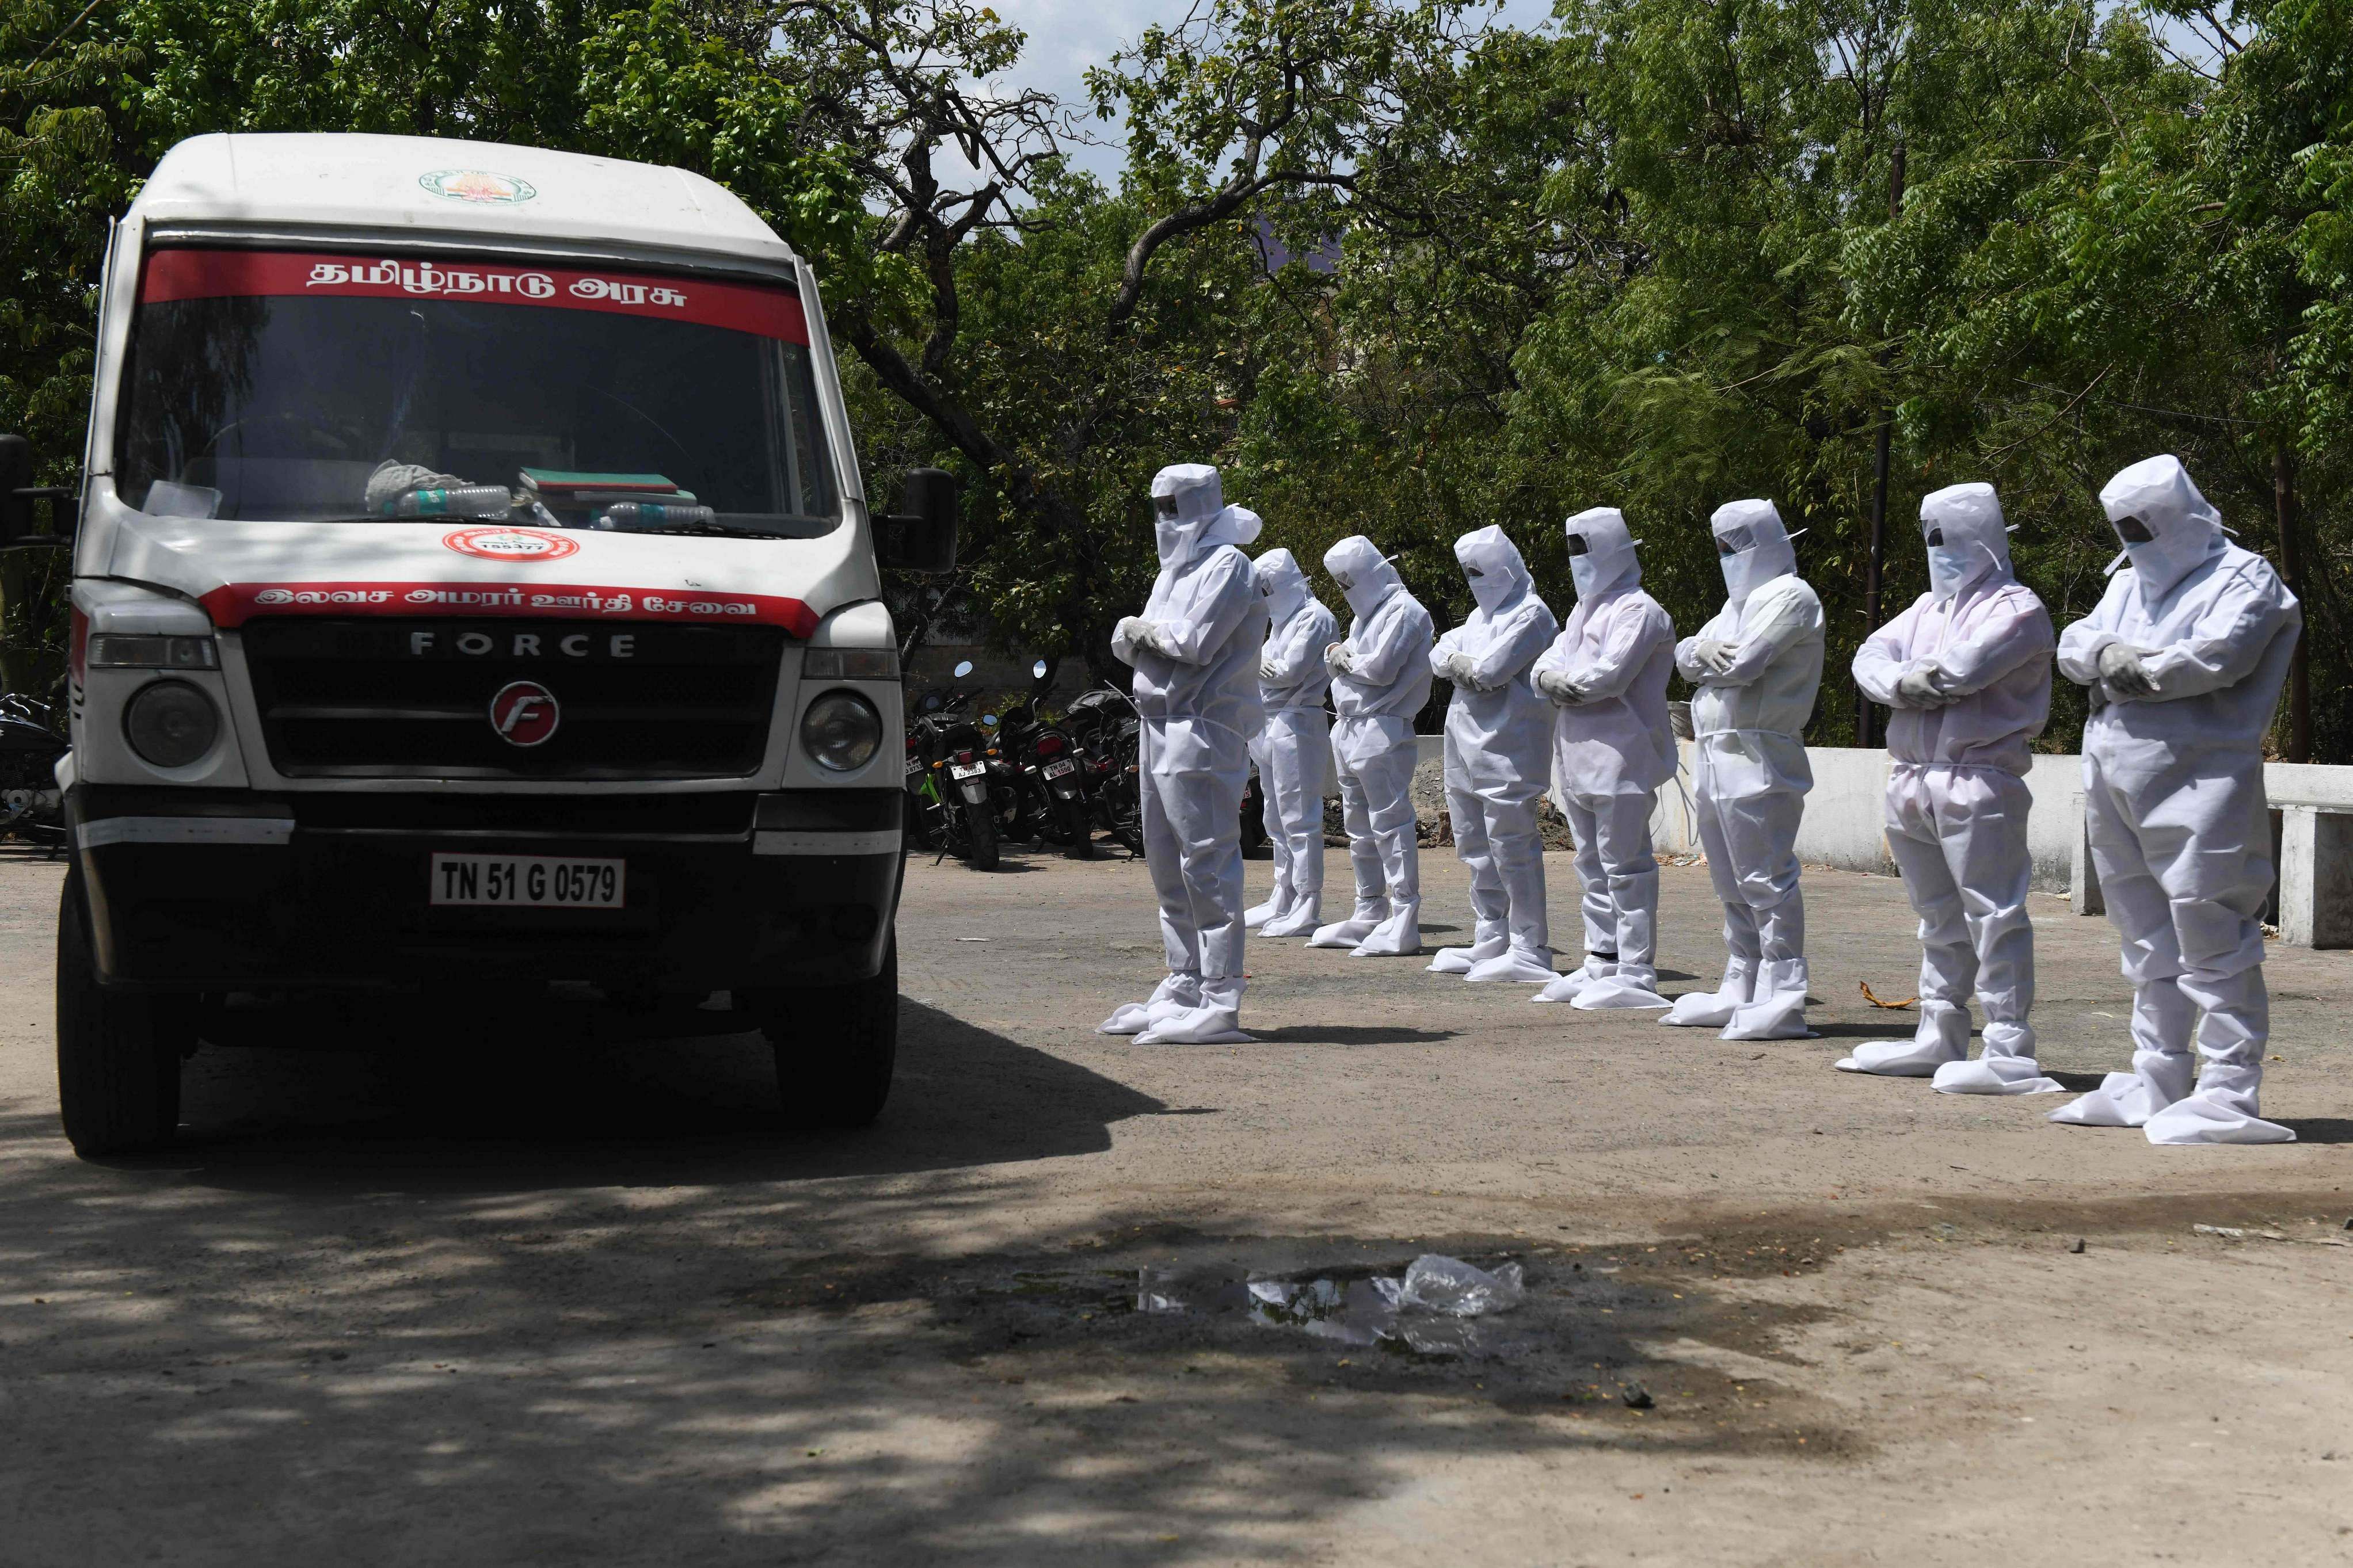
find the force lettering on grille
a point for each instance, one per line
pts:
(528, 882)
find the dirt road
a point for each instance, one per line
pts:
(542, 1301)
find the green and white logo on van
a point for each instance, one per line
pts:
(477, 186)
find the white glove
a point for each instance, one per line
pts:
(1918, 689)
(1462, 669)
(1715, 656)
(1560, 688)
(2121, 667)
(1130, 631)
(1266, 670)
(1338, 659)
(1680, 721)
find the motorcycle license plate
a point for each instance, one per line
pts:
(974, 772)
(528, 882)
(1060, 769)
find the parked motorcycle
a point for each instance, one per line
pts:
(32, 807)
(1106, 734)
(1046, 763)
(950, 807)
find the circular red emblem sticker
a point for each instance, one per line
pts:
(510, 544)
(523, 714)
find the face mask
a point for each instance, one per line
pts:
(1488, 589)
(1744, 567)
(1949, 568)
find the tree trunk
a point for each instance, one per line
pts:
(2291, 549)
(1865, 714)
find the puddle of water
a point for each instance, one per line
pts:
(1347, 1312)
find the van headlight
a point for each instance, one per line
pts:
(842, 730)
(171, 723)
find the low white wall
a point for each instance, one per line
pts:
(1845, 811)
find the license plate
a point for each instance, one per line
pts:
(1056, 770)
(974, 772)
(528, 882)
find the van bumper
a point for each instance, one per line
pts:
(230, 891)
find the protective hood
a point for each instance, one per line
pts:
(2166, 525)
(1600, 551)
(1492, 563)
(1962, 527)
(1187, 499)
(1282, 583)
(1365, 576)
(1751, 546)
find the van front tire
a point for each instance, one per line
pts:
(118, 1063)
(836, 1047)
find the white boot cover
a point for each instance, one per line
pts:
(1305, 914)
(1570, 986)
(1368, 915)
(1714, 1009)
(1629, 985)
(2222, 1109)
(1779, 1011)
(2007, 1066)
(1399, 936)
(2161, 1021)
(1258, 915)
(1212, 1023)
(1491, 942)
(1174, 994)
(1942, 1040)
(1519, 966)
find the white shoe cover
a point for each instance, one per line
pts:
(1570, 986)
(1352, 930)
(1301, 918)
(1170, 997)
(1704, 1009)
(2199, 1119)
(1463, 959)
(1204, 1025)
(1714, 1009)
(1615, 991)
(1399, 936)
(1901, 1058)
(1258, 915)
(1996, 1075)
(1518, 965)
(1779, 1016)
(2123, 1100)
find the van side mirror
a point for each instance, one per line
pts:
(921, 537)
(18, 494)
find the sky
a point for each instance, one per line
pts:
(1067, 37)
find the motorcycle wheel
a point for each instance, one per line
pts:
(981, 821)
(1080, 843)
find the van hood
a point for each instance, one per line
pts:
(241, 571)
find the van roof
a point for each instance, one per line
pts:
(429, 185)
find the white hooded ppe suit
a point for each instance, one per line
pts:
(1195, 651)
(1380, 679)
(1498, 751)
(1612, 748)
(1967, 671)
(1293, 752)
(1755, 667)
(2185, 656)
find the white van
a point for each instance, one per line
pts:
(475, 601)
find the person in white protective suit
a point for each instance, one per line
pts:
(2184, 656)
(1613, 748)
(1756, 666)
(1966, 671)
(1498, 746)
(1380, 679)
(1195, 651)
(1293, 752)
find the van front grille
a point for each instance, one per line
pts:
(403, 698)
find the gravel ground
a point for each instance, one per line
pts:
(551, 1301)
